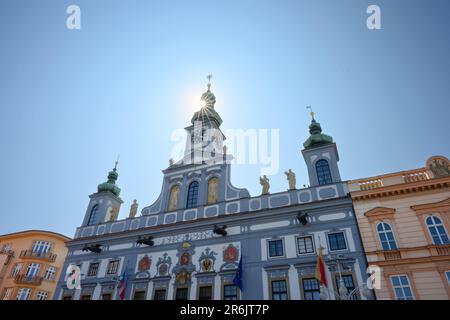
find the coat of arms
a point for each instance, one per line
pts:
(185, 259)
(163, 265)
(144, 264)
(230, 254)
(207, 260)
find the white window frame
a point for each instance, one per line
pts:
(50, 273)
(312, 241)
(6, 293)
(33, 269)
(117, 268)
(20, 294)
(17, 268)
(345, 240)
(402, 286)
(435, 226)
(41, 246)
(268, 248)
(42, 295)
(385, 233)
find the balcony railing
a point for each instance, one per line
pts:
(370, 184)
(29, 254)
(417, 176)
(440, 249)
(392, 255)
(30, 280)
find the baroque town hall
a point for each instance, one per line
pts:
(189, 243)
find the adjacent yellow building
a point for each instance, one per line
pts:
(404, 223)
(30, 264)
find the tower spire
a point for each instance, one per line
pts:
(311, 112)
(209, 76)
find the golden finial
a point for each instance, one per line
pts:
(209, 76)
(311, 113)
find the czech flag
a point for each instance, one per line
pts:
(320, 269)
(123, 284)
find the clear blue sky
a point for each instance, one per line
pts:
(70, 101)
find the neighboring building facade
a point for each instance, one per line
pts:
(404, 219)
(188, 243)
(30, 264)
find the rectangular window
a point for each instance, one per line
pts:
(23, 294)
(6, 293)
(68, 297)
(205, 293)
(139, 294)
(113, 265)
(86, 297)
(348, 283)
(41, 247)
(50, 273)
(402, 288)
(16, 269)
(181, 294)
(33, 270)
(93, 269)
(279, 290)
(160, 294)
(305, 245)
(42, 295)
(230, 292)
(311, 289)
(106, 296)
(276, 248)
(447, 274)
(337, 241)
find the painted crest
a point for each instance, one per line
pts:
(163, 265)
(206, 265)
(144, 264)
(183, 277)
(230, 254)
(185, 259)
(185, 267)
(207, 260)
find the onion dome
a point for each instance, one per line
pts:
(110, 185)
(207, 112)
(317, 138)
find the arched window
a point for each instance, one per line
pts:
(173, 198)
(93, 215)
(323, 172)
(437, 230)
(386, 236)
(213, 190)
(192, 197)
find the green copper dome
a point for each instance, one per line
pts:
(110, 185)
(207, 112)
(317, 138)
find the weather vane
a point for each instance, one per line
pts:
(209, 76)
(117, 161)
(312, 112)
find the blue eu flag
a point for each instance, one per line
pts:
(238, 277)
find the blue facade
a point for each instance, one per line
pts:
(277, 235)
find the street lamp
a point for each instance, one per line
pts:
(342, 292)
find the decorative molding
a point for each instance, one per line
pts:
(380, 213)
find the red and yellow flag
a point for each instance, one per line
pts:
(320, 269)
